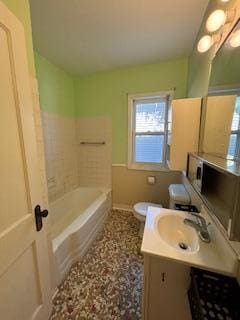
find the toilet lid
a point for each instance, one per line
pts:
(141, 207)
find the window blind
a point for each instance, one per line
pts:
(149, 130)
(233, 148)
(236, 116)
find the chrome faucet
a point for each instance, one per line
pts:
(200, 225)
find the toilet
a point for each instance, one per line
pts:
(140, 211)
(177, 194)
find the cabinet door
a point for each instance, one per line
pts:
(24, 265)
(218, 123)
(165, 290)
(186, 115)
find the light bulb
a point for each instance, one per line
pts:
(216, 20)
(205, 43)
(224, 0)
(235, 39)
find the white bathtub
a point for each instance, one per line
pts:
(76, 218)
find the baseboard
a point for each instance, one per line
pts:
(124, 207)
(54, 293)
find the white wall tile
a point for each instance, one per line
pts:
(61, 154)
(70, 164)
(94, 161)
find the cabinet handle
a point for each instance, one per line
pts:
(163, 276)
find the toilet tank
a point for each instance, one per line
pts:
(178, 195)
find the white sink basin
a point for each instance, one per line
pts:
(172, 230)
(165, 228)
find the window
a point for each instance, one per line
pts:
(148, 120)
(234, 142)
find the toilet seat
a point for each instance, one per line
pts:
(140, 209)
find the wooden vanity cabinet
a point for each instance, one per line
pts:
(165, 290)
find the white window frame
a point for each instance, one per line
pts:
(131, 131)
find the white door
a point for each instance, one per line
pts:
(24, 265)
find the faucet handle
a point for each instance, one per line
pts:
(195, 214)
(200, 219)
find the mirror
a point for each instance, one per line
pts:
(220, 123)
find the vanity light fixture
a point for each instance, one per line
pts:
(224, 1)
(235, 39)
(216, 20)
(206, 42)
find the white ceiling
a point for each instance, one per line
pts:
(85, 36)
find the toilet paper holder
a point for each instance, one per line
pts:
(151, 179)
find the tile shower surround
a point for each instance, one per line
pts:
(94, 161)
(70, 164)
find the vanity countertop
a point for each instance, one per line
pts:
(216, 256)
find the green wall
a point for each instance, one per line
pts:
(105, 93)
(200, 63)
(56, 88)
(21, 10)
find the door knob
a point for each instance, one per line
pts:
(39, 214)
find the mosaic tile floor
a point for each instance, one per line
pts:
(107, 283)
